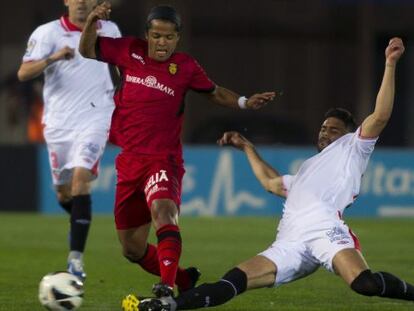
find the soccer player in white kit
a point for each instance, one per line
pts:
(311, 232)
(78, 107)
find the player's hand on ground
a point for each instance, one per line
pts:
(394, 51)
(258, 101)
(64, 53)
(234, 139)
(101, 11)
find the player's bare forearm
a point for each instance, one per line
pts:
(266, 174)
(376, 122)
(228, 98)
(89, 35)
(88, 40)
(224, 97)
(31, 70)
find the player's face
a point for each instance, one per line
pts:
(331, 129)
(80, 9)
(162, 40)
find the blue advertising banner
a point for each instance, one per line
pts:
(219, 181)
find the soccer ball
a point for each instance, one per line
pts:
(61, 291)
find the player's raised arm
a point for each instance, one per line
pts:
(89, 35)
(270, 179)
(226, 97)
(376, 122)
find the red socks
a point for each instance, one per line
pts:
(151, 264)
(169, 251)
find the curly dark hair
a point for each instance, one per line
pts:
(343, 115)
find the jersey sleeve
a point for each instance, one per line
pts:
(200, 82)
(39, 46)
(287, 182)
(115, 32)
(364, 145)
(113, 50)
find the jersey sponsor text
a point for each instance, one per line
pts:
(150, 81)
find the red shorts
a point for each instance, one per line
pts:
(141, 180)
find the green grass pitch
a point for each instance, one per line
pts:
(32, 245)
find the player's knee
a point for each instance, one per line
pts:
(132, 256)
(81, 181)
(133, 253)
(80, 187)
(238, 279)
(367, 284)
(63, 194)
(164, 212)
(63, 198)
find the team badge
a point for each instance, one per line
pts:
(172, 68)
(30, 46)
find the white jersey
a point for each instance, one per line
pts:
(77, 92)
(324, 186)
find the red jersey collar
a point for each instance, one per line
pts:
(69, 26)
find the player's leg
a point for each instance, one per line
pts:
(338, 249)
(256, 272)
(137, 250)
(84, 155)
(80, 219)
(348, 264)
(351, 266)
(163, 195)
(133, 220)
(165, 218)
(132, 216)
(281, 263)
(60, 144)
(64, 197)
(135, 247)
(81, 215)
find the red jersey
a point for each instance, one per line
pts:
(149, 105)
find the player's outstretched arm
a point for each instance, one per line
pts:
(270, 179)
(33, 69)
(376, 122)
(89, 35)
(226, 97)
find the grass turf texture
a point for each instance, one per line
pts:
(32, 245)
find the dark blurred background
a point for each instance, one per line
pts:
(321, 54)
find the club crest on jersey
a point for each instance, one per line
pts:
(173, 68)
(30, 47)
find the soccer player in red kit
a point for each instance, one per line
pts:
(146, 124)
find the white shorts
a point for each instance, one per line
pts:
(73, 148)
(297, 259)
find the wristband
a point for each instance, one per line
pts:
(242, 101)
